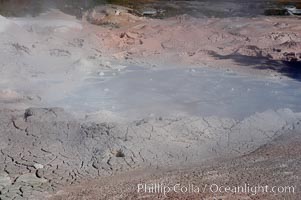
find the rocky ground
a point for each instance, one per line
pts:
(44, 150)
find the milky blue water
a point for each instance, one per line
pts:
(204, 92)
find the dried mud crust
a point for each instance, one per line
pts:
(274, 164)
(44, 149)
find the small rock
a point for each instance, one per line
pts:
(117, 12)
(38, 166)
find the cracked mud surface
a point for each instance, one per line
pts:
(43, 150)
(274, 164)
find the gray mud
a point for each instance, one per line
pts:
(45, 149)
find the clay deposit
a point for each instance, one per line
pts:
(255, 44)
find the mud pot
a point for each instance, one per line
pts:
(91, 106)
